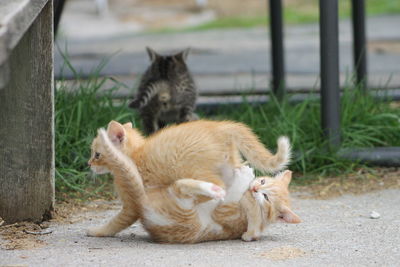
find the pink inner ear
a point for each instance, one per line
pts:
(117, 137)
(116, 132)
(287, 177)
(120, 136)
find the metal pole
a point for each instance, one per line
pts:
(58, 8)
(382, 156)
(278, 65)
(329, 54)
(360, 57)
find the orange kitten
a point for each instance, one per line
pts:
(191, 150)
(199, 150)
(190, 211)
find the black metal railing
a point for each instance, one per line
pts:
(277, 50)
(329, 71)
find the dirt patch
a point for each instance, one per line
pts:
(361, 182)
(23, 235)
(26, 235)
(283, 253)
(74, 211)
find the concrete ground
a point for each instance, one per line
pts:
(334, 232)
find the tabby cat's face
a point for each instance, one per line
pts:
(167, 66)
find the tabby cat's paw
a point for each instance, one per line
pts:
(98, 232)
(249, 237)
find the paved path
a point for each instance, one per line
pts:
(233, 60)
(335, 232)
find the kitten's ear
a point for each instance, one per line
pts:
(128, 124)
(183, 55)
(288, 216)
(116, 132)
(152, 54)
(286, 177)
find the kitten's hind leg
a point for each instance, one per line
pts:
(125, 218)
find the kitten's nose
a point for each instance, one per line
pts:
(89, 164)
(254, 189)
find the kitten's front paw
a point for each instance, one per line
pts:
(98, 232)
(213, 191)
(245, 172)
(249, 237)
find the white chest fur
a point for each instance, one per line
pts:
(204, 212)
(155, 218)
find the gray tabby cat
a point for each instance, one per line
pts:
(166, 93)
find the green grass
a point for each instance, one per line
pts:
(79, 113)
(305, 11)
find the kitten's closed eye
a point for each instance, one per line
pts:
(266, 197)
(96, 155)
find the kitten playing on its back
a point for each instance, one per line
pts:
(200, 150)
(167, 93)
(190, 211)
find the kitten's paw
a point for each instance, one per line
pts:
(249, 237)
(218, 192)
(98, 232)
(245, 172)
(213, 191)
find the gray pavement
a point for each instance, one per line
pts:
(334, 232)
(233, 60)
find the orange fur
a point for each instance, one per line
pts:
(192, 150)
(227, 220)
(198, 150)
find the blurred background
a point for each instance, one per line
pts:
(229, 40)
(100, 57)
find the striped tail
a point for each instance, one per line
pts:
(152, 90)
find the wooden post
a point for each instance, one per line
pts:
(27, 124)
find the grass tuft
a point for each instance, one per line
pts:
(80, 110)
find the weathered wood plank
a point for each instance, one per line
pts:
(16, 16)
(27, 127)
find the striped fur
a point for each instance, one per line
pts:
(151, 91)
(166, 93)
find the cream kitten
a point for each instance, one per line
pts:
(190, 211)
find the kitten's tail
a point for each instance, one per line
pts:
(152, 90)
(255, 152)
(126, 174)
